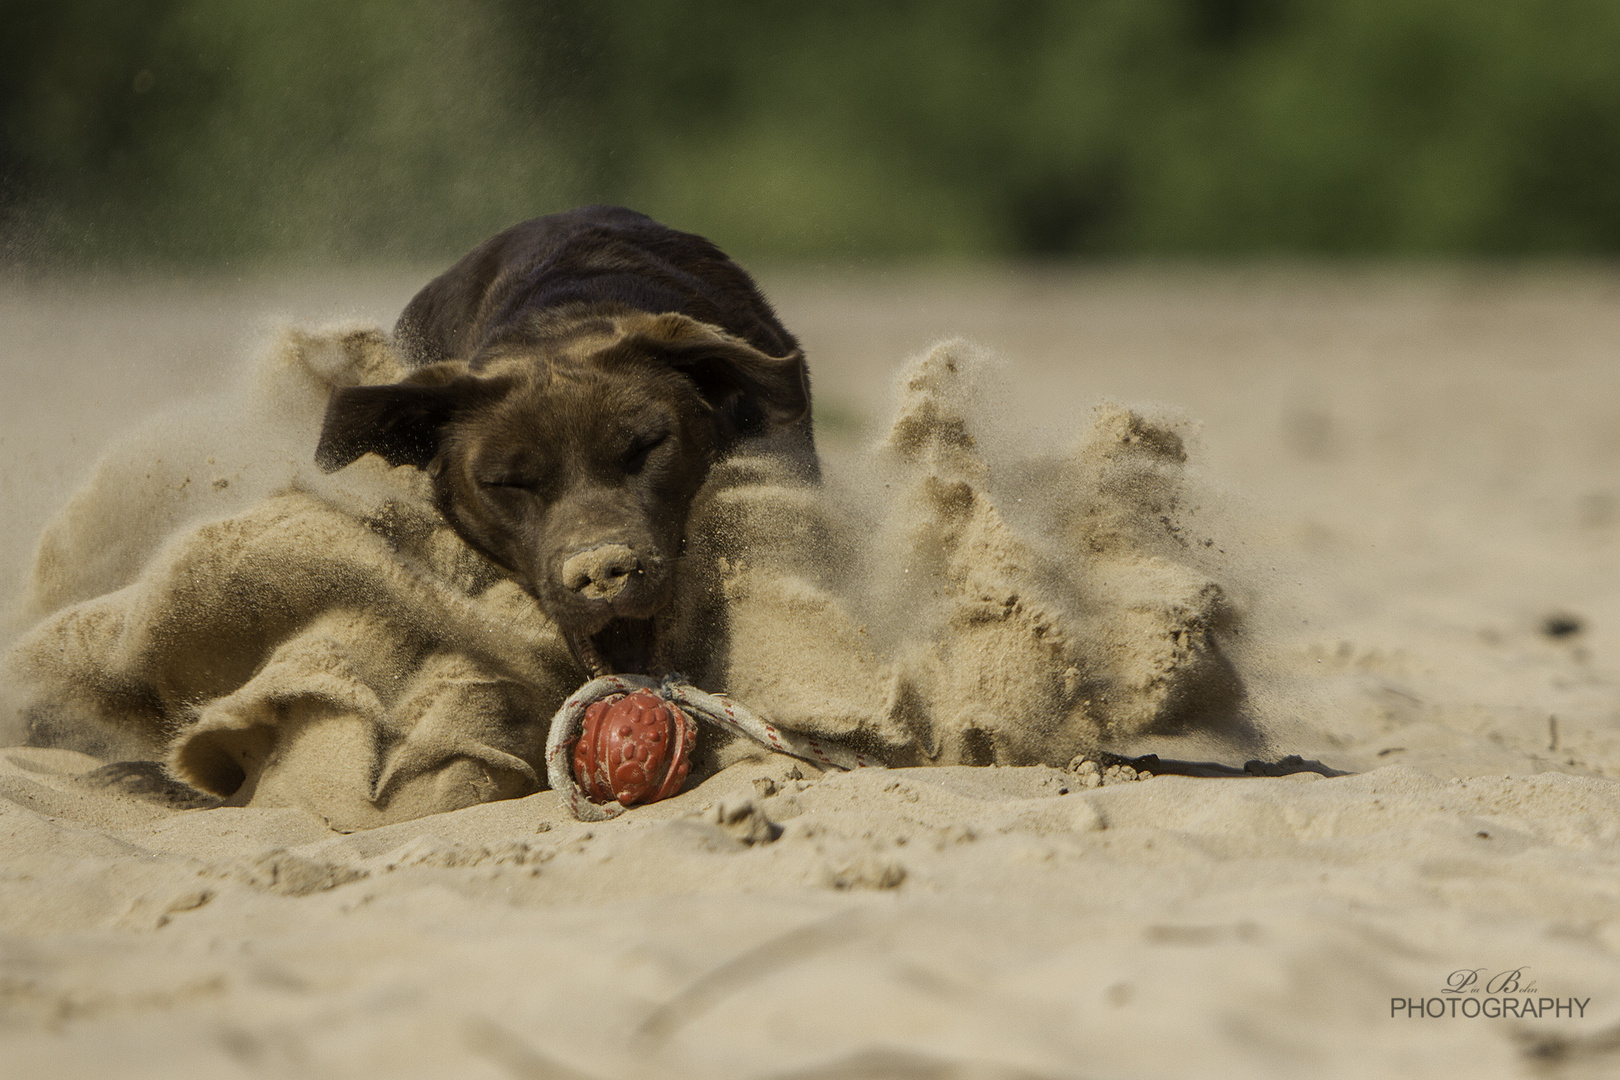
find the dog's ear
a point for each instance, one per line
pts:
(725, 367)
(398, 421)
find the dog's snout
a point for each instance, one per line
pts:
(601, 573)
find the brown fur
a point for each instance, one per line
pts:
(577, 377)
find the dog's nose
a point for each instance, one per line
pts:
(600, 573)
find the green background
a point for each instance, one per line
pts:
(271, 131)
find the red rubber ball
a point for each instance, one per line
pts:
(635, 748)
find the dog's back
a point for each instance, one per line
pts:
(591, 256)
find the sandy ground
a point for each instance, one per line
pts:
(1414, 476)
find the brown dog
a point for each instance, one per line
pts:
(577, 376)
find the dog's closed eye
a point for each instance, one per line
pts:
(520, 483)
(636, 459)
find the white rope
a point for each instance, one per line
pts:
(715, 709)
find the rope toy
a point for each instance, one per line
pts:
(616, 765)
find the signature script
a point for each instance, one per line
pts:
(1474, 980)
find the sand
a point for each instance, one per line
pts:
(1409, 480)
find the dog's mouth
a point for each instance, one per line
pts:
(621, 647)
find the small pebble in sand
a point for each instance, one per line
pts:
(742, 820)
(1086, 772)
(865, 872)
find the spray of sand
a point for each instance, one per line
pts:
(947, 597)
(1004, 605)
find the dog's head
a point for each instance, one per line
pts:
(569, 451)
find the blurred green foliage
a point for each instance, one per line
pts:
(188, 131)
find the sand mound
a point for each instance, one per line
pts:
(334, 645)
